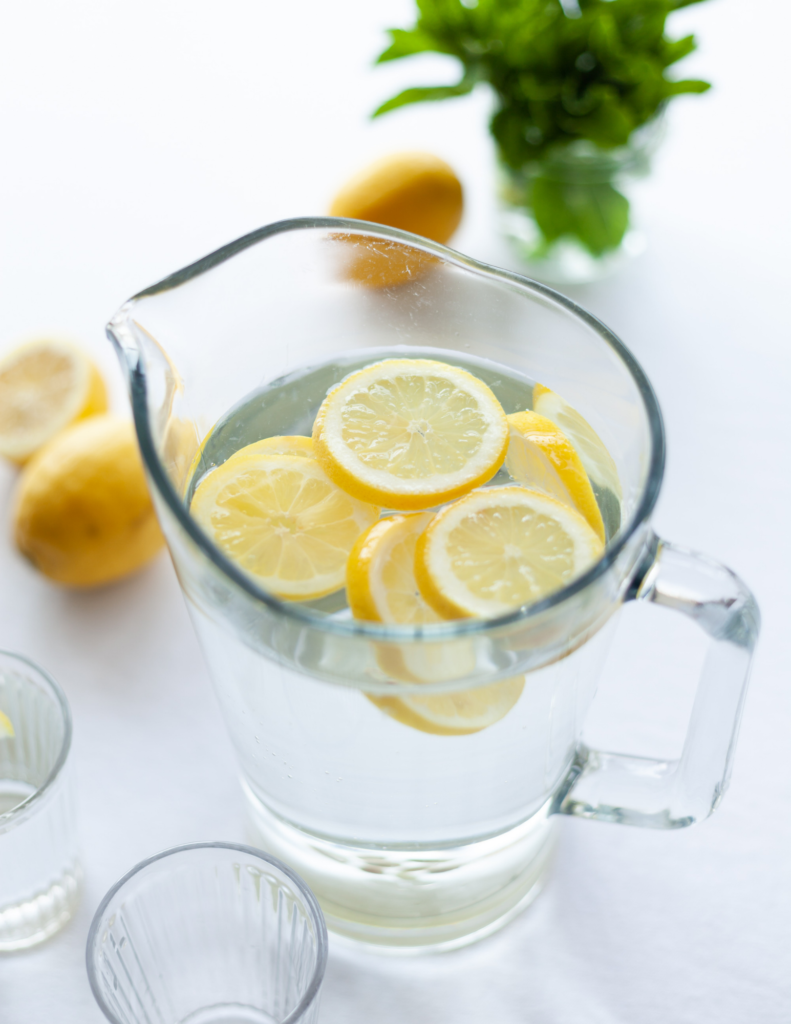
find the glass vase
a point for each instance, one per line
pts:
(570, 216)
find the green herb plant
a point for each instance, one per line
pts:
(561, 72)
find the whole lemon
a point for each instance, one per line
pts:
(82, 513)
(416, 192)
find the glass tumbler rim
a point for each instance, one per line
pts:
(306, 894)
(22, 809)
(118, 328)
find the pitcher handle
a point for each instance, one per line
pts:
(672, 794)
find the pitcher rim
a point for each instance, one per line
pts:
(116, 328)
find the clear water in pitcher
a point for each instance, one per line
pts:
(331, 760)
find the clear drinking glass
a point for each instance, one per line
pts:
(39, 868)
(211, 933)
(410, 839)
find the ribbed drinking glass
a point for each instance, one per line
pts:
(39, 868)
(210, 933)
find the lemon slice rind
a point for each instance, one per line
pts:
(6, 727)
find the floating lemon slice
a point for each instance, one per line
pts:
(410, 433)
(540, 456)
(593, 454)
(283, 521)
(499, 548)
(285, 444)
(6, 728)
(455, 714)
(380, 578)
(44, 386)
(381, 586)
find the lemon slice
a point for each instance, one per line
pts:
(283, 521)
(499, 548)
(541, 457)
(285, 444)
(44, 386)
(381, 586)
(410, 433)
(455, 714)
(6, 728)
(593, 454)
(380, 577)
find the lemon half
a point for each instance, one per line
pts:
(410, 433)
(6, 727)
(281, 519)
(499, 548)
(45, 385)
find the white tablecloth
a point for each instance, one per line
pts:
(139, 137)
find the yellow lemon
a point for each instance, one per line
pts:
(6, 727)
(541, 457)
(82, 513)
(416, 192)
(599, 464)
(45, 385)
(281, 519)
(500, 548)
(410, 433)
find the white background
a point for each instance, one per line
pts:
(138, 137)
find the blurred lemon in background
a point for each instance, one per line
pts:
(415, 191)
(83, 515)
(45, 385)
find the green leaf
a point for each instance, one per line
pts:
(688, 85)
(556, 78)
(405, 44)
(597, 215)
(426, 92)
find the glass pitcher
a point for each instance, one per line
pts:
(414, 838)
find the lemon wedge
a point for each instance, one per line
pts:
(410, 433)
(6, 728)
(283, 521)
(499, 548)
(541, 457)
(599, 464)
(45, 385)
(380, 578)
